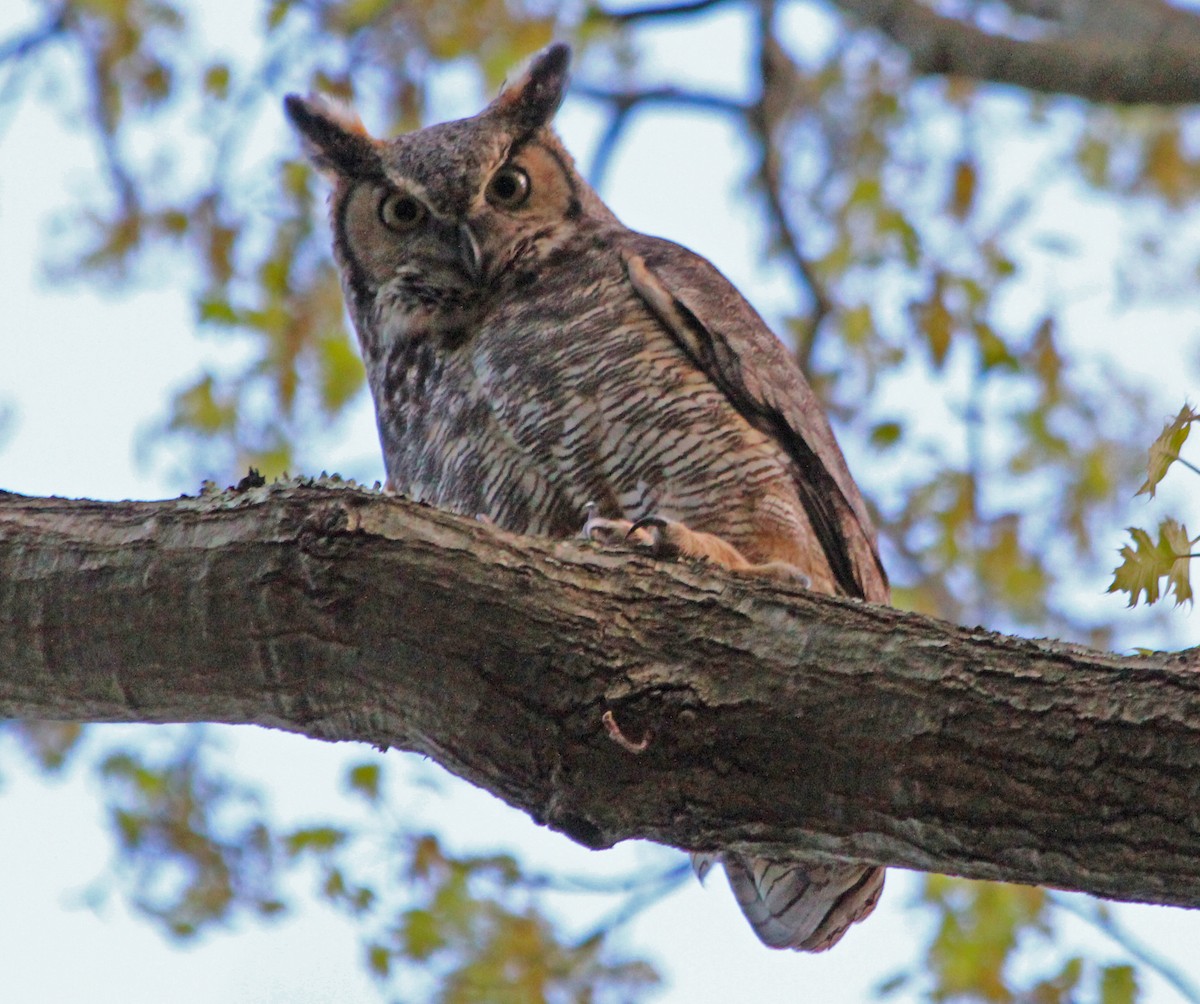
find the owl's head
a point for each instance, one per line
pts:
(426, 223)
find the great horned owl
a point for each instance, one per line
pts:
(529, 355)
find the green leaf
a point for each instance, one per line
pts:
(318, 839)
(200, 409)
(379, 960)
(1147, 561)
(893, 222)
(341, 371)
(130, 826)
(1093, 157)
(427, 857)
(50, 743)
(364, 778)
(277, 12)
(1173, 535)
(937, 324)
(218, 310)
(886, 434)
(993, 350)
(1014, 571)
(1164, 451)
(1166, 166)
(857, 324)
(174, 222)
(421, 934)
(155, 81)
(867, 191)
(981, 925)
(963, 188)
(219, 253)
(1118, 985)
(216, 80)
(1047, 360)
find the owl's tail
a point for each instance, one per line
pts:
(794, 905)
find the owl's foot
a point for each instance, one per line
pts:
(664, 538)
(669, 539)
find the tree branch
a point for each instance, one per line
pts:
(777, 719)
(26, 43)
(775, 69)
(1138, 53)
(625, 100)
(660, 12)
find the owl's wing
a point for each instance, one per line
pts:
(726, 338)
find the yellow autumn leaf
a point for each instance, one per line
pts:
(1164, 451)
(1148, 561)
(962, 189)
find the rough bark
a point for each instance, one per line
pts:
(1128, 51)
(1125, 51)
(770, 717)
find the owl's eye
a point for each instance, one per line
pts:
(508, 188)
(401, 212)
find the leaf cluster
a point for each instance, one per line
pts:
(1166, 560)
(197, 849)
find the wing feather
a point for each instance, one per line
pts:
(726, 338)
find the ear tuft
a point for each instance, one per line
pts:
(531, 101)
(334, 136)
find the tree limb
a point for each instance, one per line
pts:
(775, 719)
(1143, 52)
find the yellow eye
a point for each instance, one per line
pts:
(401, 212)
(508, 188)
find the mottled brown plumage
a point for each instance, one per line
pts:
(529, 355)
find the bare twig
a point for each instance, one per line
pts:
(1187, 463)
(601, 885)
(768, 174)
(22, 45)
(1099, 916)
(106, 135)
(629, 99)
(652, 890)
(607, 146)
(625, 102)
(661, 12)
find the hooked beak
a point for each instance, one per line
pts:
(469, 254)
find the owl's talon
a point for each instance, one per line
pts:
(662, 538)
(657, 522)
(651, 534)
(667, 539)
(605, 532)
